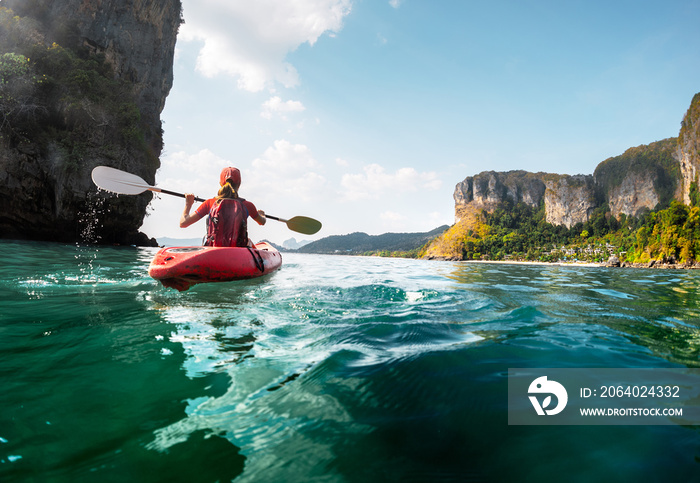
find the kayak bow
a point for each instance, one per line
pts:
(182, 267)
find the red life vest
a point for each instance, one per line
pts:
(227, 225)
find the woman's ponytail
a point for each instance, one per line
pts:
(227, 191)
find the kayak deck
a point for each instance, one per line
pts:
(182, 267)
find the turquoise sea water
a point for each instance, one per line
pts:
(331, 369)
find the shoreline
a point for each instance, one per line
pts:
(534, 262)
(656, 265)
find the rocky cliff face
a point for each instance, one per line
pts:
(640, 179)
(45, 187)
(569, 199)
(487, 189)
(137, 38)
(634, 195)
(688, 150)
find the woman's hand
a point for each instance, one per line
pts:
(261, 218)
(186, 219)
(189, 200)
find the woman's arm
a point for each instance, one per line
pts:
(260, 217)
(186, 219)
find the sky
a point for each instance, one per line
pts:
(365, 114)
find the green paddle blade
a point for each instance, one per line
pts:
(304, 225)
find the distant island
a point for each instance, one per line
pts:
(293, 244)
(389, 244)
(641, 208)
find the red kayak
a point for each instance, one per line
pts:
(182, 267)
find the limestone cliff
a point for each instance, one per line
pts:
(45, 188)
(569, 199)
(640, 179)
(688, 149)
(634, 195)
(487, 189)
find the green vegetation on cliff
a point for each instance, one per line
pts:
(691, 122)
(655, 158)
(521, 233)
(51, 94)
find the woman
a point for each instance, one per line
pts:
(227, 225)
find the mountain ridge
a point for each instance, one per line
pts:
(360, 243)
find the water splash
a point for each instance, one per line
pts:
(89, 220)
(89, 224)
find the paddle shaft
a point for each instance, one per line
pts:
(196, 198)
(121, 182)
(174, 193)
(300, 224)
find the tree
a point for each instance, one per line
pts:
(17, 93)
(694, 193)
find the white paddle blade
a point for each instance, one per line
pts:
(117, 181)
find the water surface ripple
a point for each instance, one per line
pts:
(332, 369)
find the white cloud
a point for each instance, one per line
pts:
(287, 170)
(193, 173)
(275, 105)
(203, 161)
(285, 157)
(375, 181)
(395, 3)
(250, 40)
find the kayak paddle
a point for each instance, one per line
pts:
(300, 224)
(123, 183)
